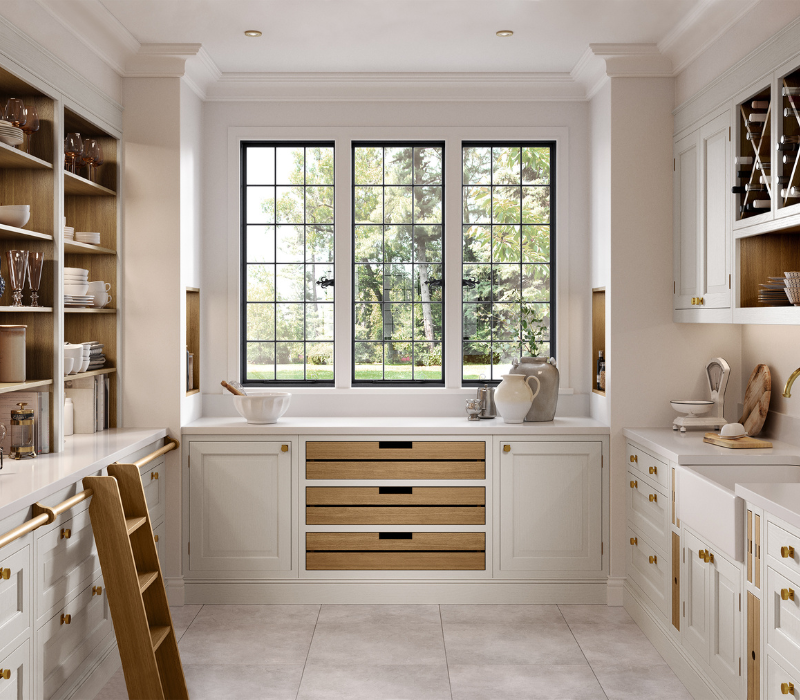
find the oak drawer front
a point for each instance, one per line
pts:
(778, 680)
(396, 541)
(66, 560)
(395, 561)
(395, 496)
(651, 570)
(651, 467)
(15, 604)
(391, 469)
(783, 621)
(154, 483)
(649, 511)
(784, 548)
(18, 686)
(395, 515)
(66, 642)
(395, 450)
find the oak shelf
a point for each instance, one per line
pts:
(193, 392)
(13, 158)
(86, 248)
(27, 309)
(80, 186)
(90, 373)
(24, 386)
(12, 233)
(90, 310)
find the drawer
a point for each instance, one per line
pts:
(396, 496)
(780, 681)
(395, 450)
(784, 548)
(649, 512)
(15, 598)
(783, 616)
(396, 469)
(396, 541)
(66, 562)
(18, 686)
(67, 642)
(419, 561)
(395, 515)
(154, 483)
(649, 466)
(651, 570)
(158, 536)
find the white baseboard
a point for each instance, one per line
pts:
(175, 591)
(616, 586)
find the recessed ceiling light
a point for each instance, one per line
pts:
(252, 32)
(505, 32)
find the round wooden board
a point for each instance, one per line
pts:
(756, 400)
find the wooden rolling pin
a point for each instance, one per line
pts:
(232, 389)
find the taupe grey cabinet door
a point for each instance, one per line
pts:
(240, 507)
(551, 499)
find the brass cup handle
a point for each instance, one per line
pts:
(153, 476)
(66, 533)
(653, 559)
(634, 541)
(652, 470)
(787, 552)
(634, 484)
(97, 590)
(635, 458)
(653, 498)
(787, 593)
(155, 538)
(5, 673)
(5, 574)
(786, 688)
(703, 554)
(66, 619)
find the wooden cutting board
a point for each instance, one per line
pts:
(756, 400)
(744, 443)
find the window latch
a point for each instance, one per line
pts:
(324, 282)
(436, 283)
(469, 283)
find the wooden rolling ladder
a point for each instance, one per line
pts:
(135, 585)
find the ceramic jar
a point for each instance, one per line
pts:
(514, 396)
(544, 408)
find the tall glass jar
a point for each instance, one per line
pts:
(22, 432)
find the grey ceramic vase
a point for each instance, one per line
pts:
(544, 406)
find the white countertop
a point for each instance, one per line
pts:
(38, 478)
(782, 500)
(372, 425)
(688, 448)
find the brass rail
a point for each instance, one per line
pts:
(44, 514)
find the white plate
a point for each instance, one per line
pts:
(11, 140)
(75, 270)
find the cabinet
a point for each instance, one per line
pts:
(18, 664)
(240, 507)
(550, 506)
(701, 217)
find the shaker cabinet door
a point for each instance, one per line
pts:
(240, 507)
(696, 595)
(551, 498)
(726, 622)
(685, 220)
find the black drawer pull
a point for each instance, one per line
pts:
(394, 489)
(395, 535)
(395, 445)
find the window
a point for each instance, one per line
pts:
(398, 274)
(287, 262)
(507, 257)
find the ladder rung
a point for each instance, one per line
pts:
(158, 635)
(133, 524)
(146, 579)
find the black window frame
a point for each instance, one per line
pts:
(522, 143)
(373, 143)
(271, 143)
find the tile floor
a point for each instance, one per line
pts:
(415, 652)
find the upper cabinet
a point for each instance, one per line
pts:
(788, 144)
(752, 193)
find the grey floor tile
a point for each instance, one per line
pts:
(642, 680)
(391, 614)
(498, 645)
(249, 634)
(614, 643)
(381, 682)
(243, 682)
(524, 683)
(500, 614)
(405, 644)
(115, 689)
(182, 617)
(595, 615)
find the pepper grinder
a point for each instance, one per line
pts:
(486, 396)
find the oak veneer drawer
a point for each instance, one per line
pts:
(396, 496)
(396, 541)
(395, 450)
(389, 469)
(395, 515)
(420, 561)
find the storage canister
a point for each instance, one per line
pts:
(22, 432)
(12, 354)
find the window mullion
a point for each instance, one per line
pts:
(452, 263)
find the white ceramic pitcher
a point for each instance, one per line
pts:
(514, 396)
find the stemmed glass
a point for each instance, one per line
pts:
(17, 267)
(92, 156)
(35, 263)
(31, 124)
(73, 149)
(15, 112)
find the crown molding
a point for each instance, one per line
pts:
(600, 62)
(190, 62)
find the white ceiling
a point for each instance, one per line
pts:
(405, 35)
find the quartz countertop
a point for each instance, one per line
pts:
(36, 479)
(371, 425)
(689, 449)
(782, 500)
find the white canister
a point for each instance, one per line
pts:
(12, 354)
(69, 417)
(514, 397)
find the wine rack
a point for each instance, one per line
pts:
(788, 146)
(753, 163)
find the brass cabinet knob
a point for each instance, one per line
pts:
(700, 301)
(653, 498)
(653, 559)
(66, 619)
(153, 476)
(787, 593)
(506, 448)
(66, 533)
(5, 673)
(97, 590)
(710, 559)
(5, 574)
(694, 300)
(155, 538)
(634, 540)
(653, 470)
(787, 552)
(702, 554)
(635, 458)
(634, 484)
(786, 688)
(284, 448)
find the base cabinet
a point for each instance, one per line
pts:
(18, 665)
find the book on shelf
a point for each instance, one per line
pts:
(90, 403)
(39, 401)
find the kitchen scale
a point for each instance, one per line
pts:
(717, 373)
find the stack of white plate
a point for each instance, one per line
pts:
(72, 301)
(88, 237)
(9, 134)
(76, 284)
(69, 233)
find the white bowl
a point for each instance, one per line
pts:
(76, 290)
(733, 430)
(263, 408)
(85, 364)
(75, 352)
(68, 363)
(76, 271)
(693, 408)
(14, 217)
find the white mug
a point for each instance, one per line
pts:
(99, 287)
(102, 299)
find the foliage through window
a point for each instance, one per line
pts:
(508, 265)
(287, 253)
(398, 274)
